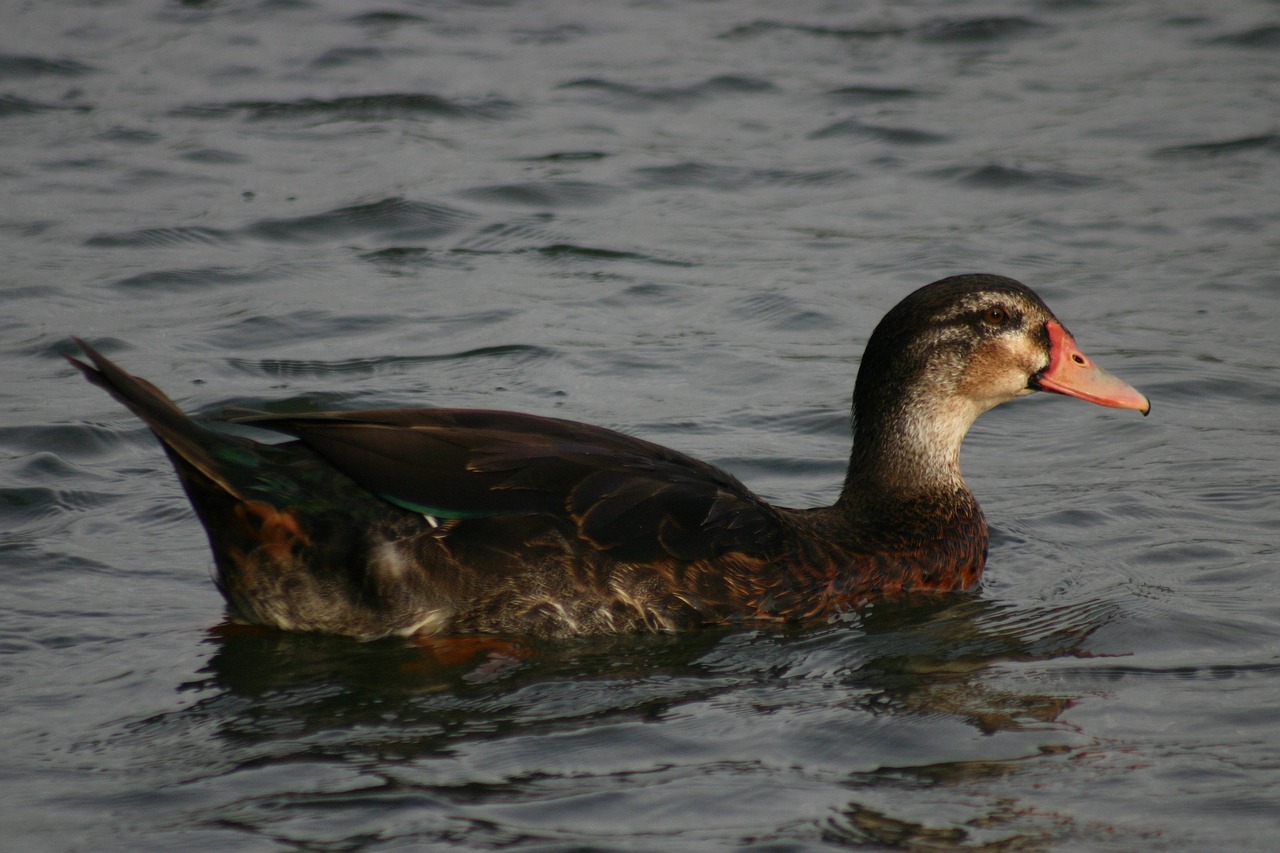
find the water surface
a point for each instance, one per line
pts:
(681, 220)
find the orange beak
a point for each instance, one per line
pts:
(1073, 373)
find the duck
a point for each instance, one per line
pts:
(438, 522)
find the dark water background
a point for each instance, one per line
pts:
(680, 219)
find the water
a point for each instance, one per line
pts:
(680, 219)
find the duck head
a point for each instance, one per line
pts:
(949, 352)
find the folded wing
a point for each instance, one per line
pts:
(631, 498)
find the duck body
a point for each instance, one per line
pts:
(453, 521)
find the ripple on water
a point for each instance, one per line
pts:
(248, 333)
(833, 421)
(24, 505)
(543, 194)
(201, 278)
(75, 442)
(568, 157)
(975, 30)
(215, 156)
(159, 238)
(386, 19)
(631, 96)
(129, 135)
(523, 232)
(874, 94)
(390, 218)
(979, 30)
(770, 27)
(383, 107)
(880, 133)
(993, 176)
(1268, 142)
(732, 178)
(13, 105)
(405, 260)
(278, 368)
(591, 254)
(1263, 37)
(781, 312)
(17, 67)
(341, 56)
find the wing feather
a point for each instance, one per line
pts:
(629, 497)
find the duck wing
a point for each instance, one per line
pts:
(632, 498)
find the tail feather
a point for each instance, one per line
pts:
(180, 434)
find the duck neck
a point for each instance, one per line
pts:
(906, 450)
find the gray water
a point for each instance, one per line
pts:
(681, 220)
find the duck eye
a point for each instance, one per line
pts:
(995, 316)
